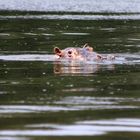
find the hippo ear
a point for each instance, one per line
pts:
(57, 50)
(88, 48)
(86, 45)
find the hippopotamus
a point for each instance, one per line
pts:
(84, 53)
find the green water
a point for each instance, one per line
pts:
(97, 102)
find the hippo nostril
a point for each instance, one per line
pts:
(69, 52)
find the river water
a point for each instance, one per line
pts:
(41, 98)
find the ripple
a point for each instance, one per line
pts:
(76, 17)
(30, 34)
(116, 122)
(48, 132)
(79, 90)
(32, 108)
(95, 6)
(4, 34)
(3, 92)
(120, 59)
(28, 57)
(82, 100)
(48, 34)
(97, 103)
(109, 30)
(12, 138)
(73, 104)
(76, 33)
(81, 128)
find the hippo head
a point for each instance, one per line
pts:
(71, 53)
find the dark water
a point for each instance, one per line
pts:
(41, 99)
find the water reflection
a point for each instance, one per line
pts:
(73, 67)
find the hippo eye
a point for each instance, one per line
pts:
(69, 52)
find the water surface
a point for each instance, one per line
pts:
(41, 98)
